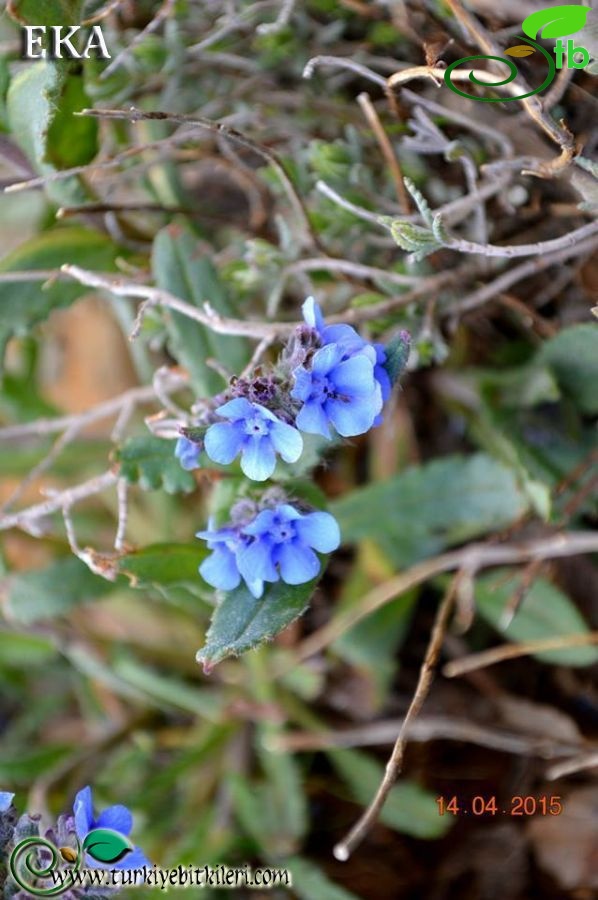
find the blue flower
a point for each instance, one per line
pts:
(220, 569)
(350, 340)
(254, 432)
(187, 452)
(283, 544)
(277, 543)
(118, 818)
(339, 390)
(6, 799)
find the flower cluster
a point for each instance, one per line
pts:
(328, 378)
(267, 544)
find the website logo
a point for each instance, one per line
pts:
(36, 859)
(557, 22)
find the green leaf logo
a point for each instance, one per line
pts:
(559, 21)
(520, 50)
(107, 846)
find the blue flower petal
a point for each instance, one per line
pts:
(319, 530)
(287, 513)
(258, 459)
(220, 570)
(287, 441)
(326, 358)
(256, 588)
(239, 408)
(6, 799)
(83, 812)
(354, 377)
(356, 417)
(136, 859)
(262, 523)
(312, 314)
(224, 441)
(187, 452)
(298, 564)
(255, 562)
(313, 419)
(118, 818)
(345, 335)
(303, 384)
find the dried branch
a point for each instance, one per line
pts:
(388, 153)
(343, 850)
(26, 518)
(458, 667)
(137, 115)
(162, 14)
(472, 558)
(422, 730)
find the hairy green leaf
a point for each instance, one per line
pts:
(150, 462)
(180, 268)
(241, 622)
(572, 355)
(427, 508)
(544, 613)
(25, 303)
(45, 593)
(409, 808)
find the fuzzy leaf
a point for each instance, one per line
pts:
(558, 21)
(397, 355)
(23, 304)
(429, 507)
(572, 355)
(240, 622)
(45, 593)
(150, 462)
(409, 808)
(41, 103)
(107, 846)
(46, 12)
(162, 564)
(544, 613)
(180, 268)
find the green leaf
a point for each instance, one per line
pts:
(180, 268)
(558, 21)
(545, 613)
(397, 355)
(25, 303)
(23, 651)
(310, 882)
(71, 140)
(572, 355)
(41, 103)
(24, 767)
(48, 12)
(46, 593)
(107, 846)
(409, 808)
(241, 622)
(150, 462)
(167, 692)
(163, 564)
(426, 508)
